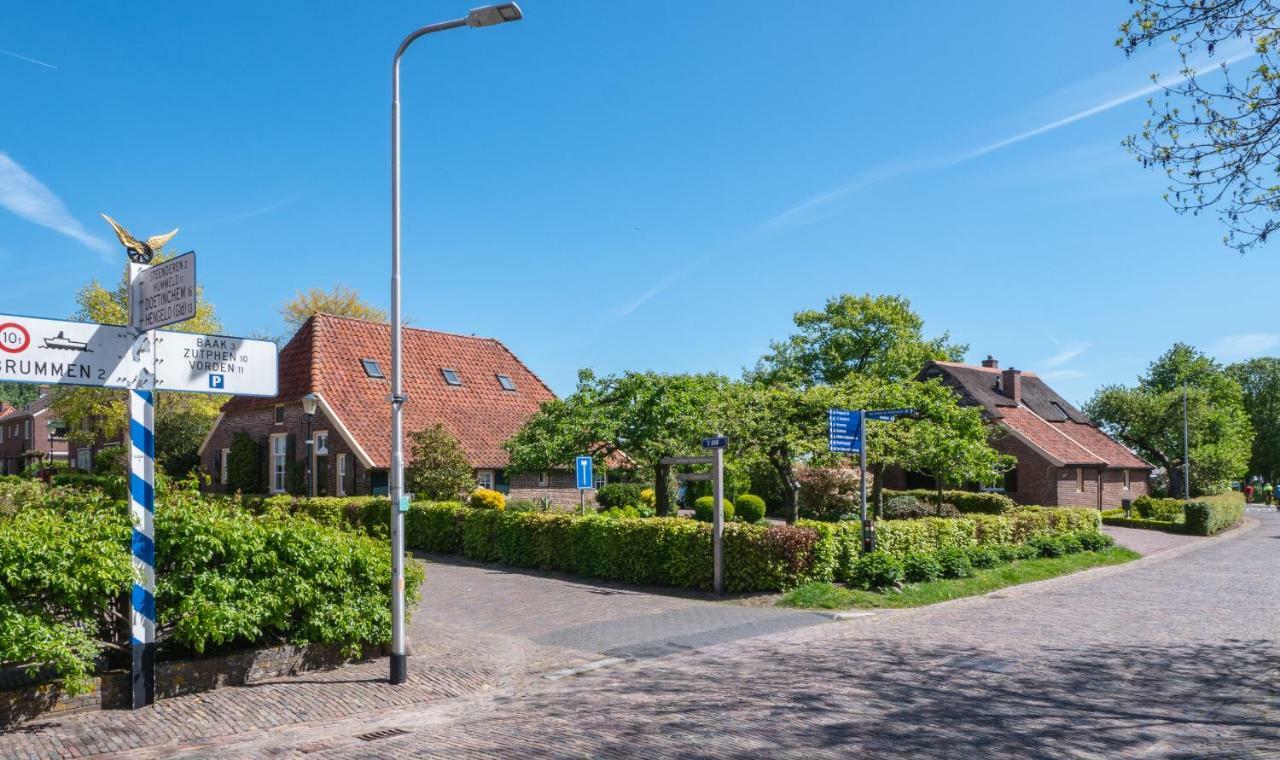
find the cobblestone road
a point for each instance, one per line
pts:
(1175, 656)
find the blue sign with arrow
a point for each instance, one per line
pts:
(585, 479)
(888, 415)
(844, 431)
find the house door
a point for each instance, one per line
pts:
(1102, 476)
(322, 475)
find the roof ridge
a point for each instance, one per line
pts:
(991, 370)
(375, 323)
(526, 367)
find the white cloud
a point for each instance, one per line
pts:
(1065, 354)
(28, 198)
(1245, 345)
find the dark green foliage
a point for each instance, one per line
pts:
(438, 468)
(955, 563)
(244, 465)
(907, 507)
(1015, 552)
(967, 502)
(704, 505)
(876, 571)
(921, 568)
(1208, 516)
(112, 485)
(982, 557)
(1071, 543)
(749, 507)
(18, 394)
(1049, 546)
(620, 495)
(1093, 542)
(1152, 508)
(110, 461)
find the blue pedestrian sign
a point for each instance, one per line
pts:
(585, 479)
(715, 442)
(844, 431)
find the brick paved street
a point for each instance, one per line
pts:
(1174, 656)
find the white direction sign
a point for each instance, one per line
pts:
(215, 364)
(165, 293)
(56, 351)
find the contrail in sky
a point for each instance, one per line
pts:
(28, 60)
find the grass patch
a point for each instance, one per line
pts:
(831, 596)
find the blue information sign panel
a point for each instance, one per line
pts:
(715, 442)
(585, 479)
(844, 431)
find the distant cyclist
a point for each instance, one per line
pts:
(1248, 493)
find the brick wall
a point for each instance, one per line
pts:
(1069, 493)
(560, 487)
(1113, 487)
(1035, 475)
(260, 426)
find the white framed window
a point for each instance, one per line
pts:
(225, 475)
(1126, 480)
(279, 449)
(542, 480)
(84, 459)
(601, 479)
(1079, 480)
(320, 443)
(342, 474)
(28, 429)
(279, 414)
(484, 479)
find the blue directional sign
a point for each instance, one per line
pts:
(888, 415)
(715, 442)
(585, 479)
(844, 431)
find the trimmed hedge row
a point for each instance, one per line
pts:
(1201, 517)
(1116, 517)
(970, 502)
(675, 551)
(1206, 517)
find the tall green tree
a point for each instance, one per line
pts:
(17, 394)
(438, 467)
(643, 415)
(182, 419)
(873, 336)
(1215, 135)
(1148, 418)
(341, 301)
(1259, 379)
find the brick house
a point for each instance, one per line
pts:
(1063, 458)
(28, 433)
(475, 387)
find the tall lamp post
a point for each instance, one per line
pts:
(487, 16)
(309, 412)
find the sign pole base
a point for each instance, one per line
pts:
(399, 668)
(142, 675)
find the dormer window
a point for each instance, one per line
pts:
(506, 382)
(372, 369)
(451, 376)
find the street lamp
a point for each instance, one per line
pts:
(478, 17)
(309, 411)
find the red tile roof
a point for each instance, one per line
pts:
(1047, 437)
(324, 358)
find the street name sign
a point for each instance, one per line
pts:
(197, 363)
(165, 293)
(888, 415)
(844, 431)
(715, 442)
(695, 476)
(583, 467)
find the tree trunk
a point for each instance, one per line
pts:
(781, 461)
(661, 497)
(937, 482)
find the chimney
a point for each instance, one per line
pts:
(990, 362)
(42, 390)
(1012, 384)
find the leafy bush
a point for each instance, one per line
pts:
(526, 505)
(1152, 508)
(438, 467)
(907, 507)
(702, 509)
(649, 497)
(1071, 543)
(1093, 541)
(749, 507)
(244, 465)
(1208, 516)
(967, 502)
(921, 568)
(113, 485)
(955, 563)
(827, 494)
(1048, 546)
(876, 571)
(620, 495)
(982, 557)
(483, 498)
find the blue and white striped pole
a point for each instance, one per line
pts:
(142, 470)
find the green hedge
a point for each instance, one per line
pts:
(1205, 517)
(1155, 508)
(1116, 517)
(970, 502)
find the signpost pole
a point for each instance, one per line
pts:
(142, 467)
(717, 524)
(868, 528)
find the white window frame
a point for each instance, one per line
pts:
(484, 479)
(342, 474)
(276, 417)
(1079, 480)
(279, 463)
(84, 459)
(600, 479)
(315, 442)
(225, 475)
(1126, 480)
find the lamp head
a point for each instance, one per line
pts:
(490, 15)
(309, 403)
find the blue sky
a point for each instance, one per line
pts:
(627, 186)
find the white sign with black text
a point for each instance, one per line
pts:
(215, 364)
(59, 352)
(165, 293)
